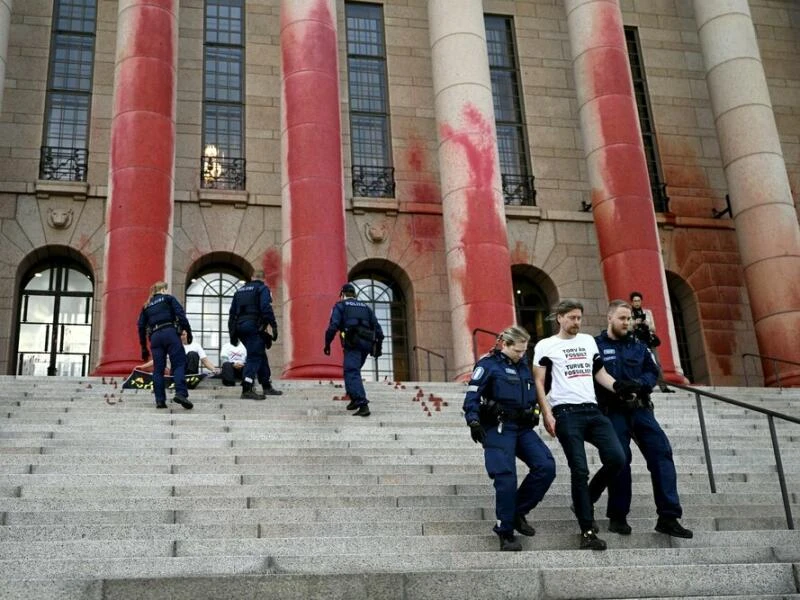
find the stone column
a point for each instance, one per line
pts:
(476, 241)
(761, 199)
(5, 24)
(622, 203)
(138, 247)
(313, 224)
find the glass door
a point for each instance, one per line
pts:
(55, 322)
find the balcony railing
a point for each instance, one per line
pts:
(63, 164)
(373, 182)
(222, 173)
(518, 190)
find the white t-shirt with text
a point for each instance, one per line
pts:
(573, 381)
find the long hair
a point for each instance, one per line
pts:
(156, 288)
(513, 335)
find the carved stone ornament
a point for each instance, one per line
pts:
(375, 233)
(59, 218)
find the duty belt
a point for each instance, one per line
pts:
(161, 326)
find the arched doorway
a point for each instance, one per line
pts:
(208, 301)
(386, 299)
(688, 329)
(55, 320)
(534, 294)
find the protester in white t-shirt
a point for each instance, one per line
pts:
(565, 367)
(196, 356)
(232, 359)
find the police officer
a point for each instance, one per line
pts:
(159, 320)
(250, 314)
(361, 335)
(631, 413)
(500, 409)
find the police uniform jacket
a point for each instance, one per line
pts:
(161, 310)
(251, 302)
(497, 378)
(351, 313)
(626, 358)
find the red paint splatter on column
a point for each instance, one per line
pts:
(271, 263)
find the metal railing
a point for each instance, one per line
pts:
(223, 173)
(428, 354)
(771, 416)
(518, 190)
(373, 182)
(63, 164)
(775, 367)
(475, 341)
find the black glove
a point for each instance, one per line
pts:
(626, 387)
(145, 353)
(234, 340)
(189, 336)
(377, 350)
(275, 333)
(477, 433)
(327, 350)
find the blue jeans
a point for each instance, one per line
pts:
(641, 426)
(166, 342)
(575, 425)
(354, 359)
(500, 451)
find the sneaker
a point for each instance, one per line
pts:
(619, 526)
(252, 395)
(161, 404)
(509, 542)
(363, 411)
(670, 526)
(521, 524)
(590, 541)
(352, 405)
(183, 401)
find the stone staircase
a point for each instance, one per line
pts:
(104, 497)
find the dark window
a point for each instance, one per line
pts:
(373, 175)
(223, 162)
(64, 153)
(512, 143)
(386, 300)
(657, 184)
(208, 301)
(55, 321)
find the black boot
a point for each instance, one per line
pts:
(509, 542)
(248, 393)
(269, 390)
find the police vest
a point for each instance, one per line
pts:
(158, 312)
(247, 300)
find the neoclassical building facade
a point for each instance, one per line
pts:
(467, 163)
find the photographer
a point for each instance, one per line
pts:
(500, 409)
(644, 329)
(631, 414)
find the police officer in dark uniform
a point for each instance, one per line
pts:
(628, 359)
(361, 335)
(160, 320)
(501, 410)
(250, 314)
